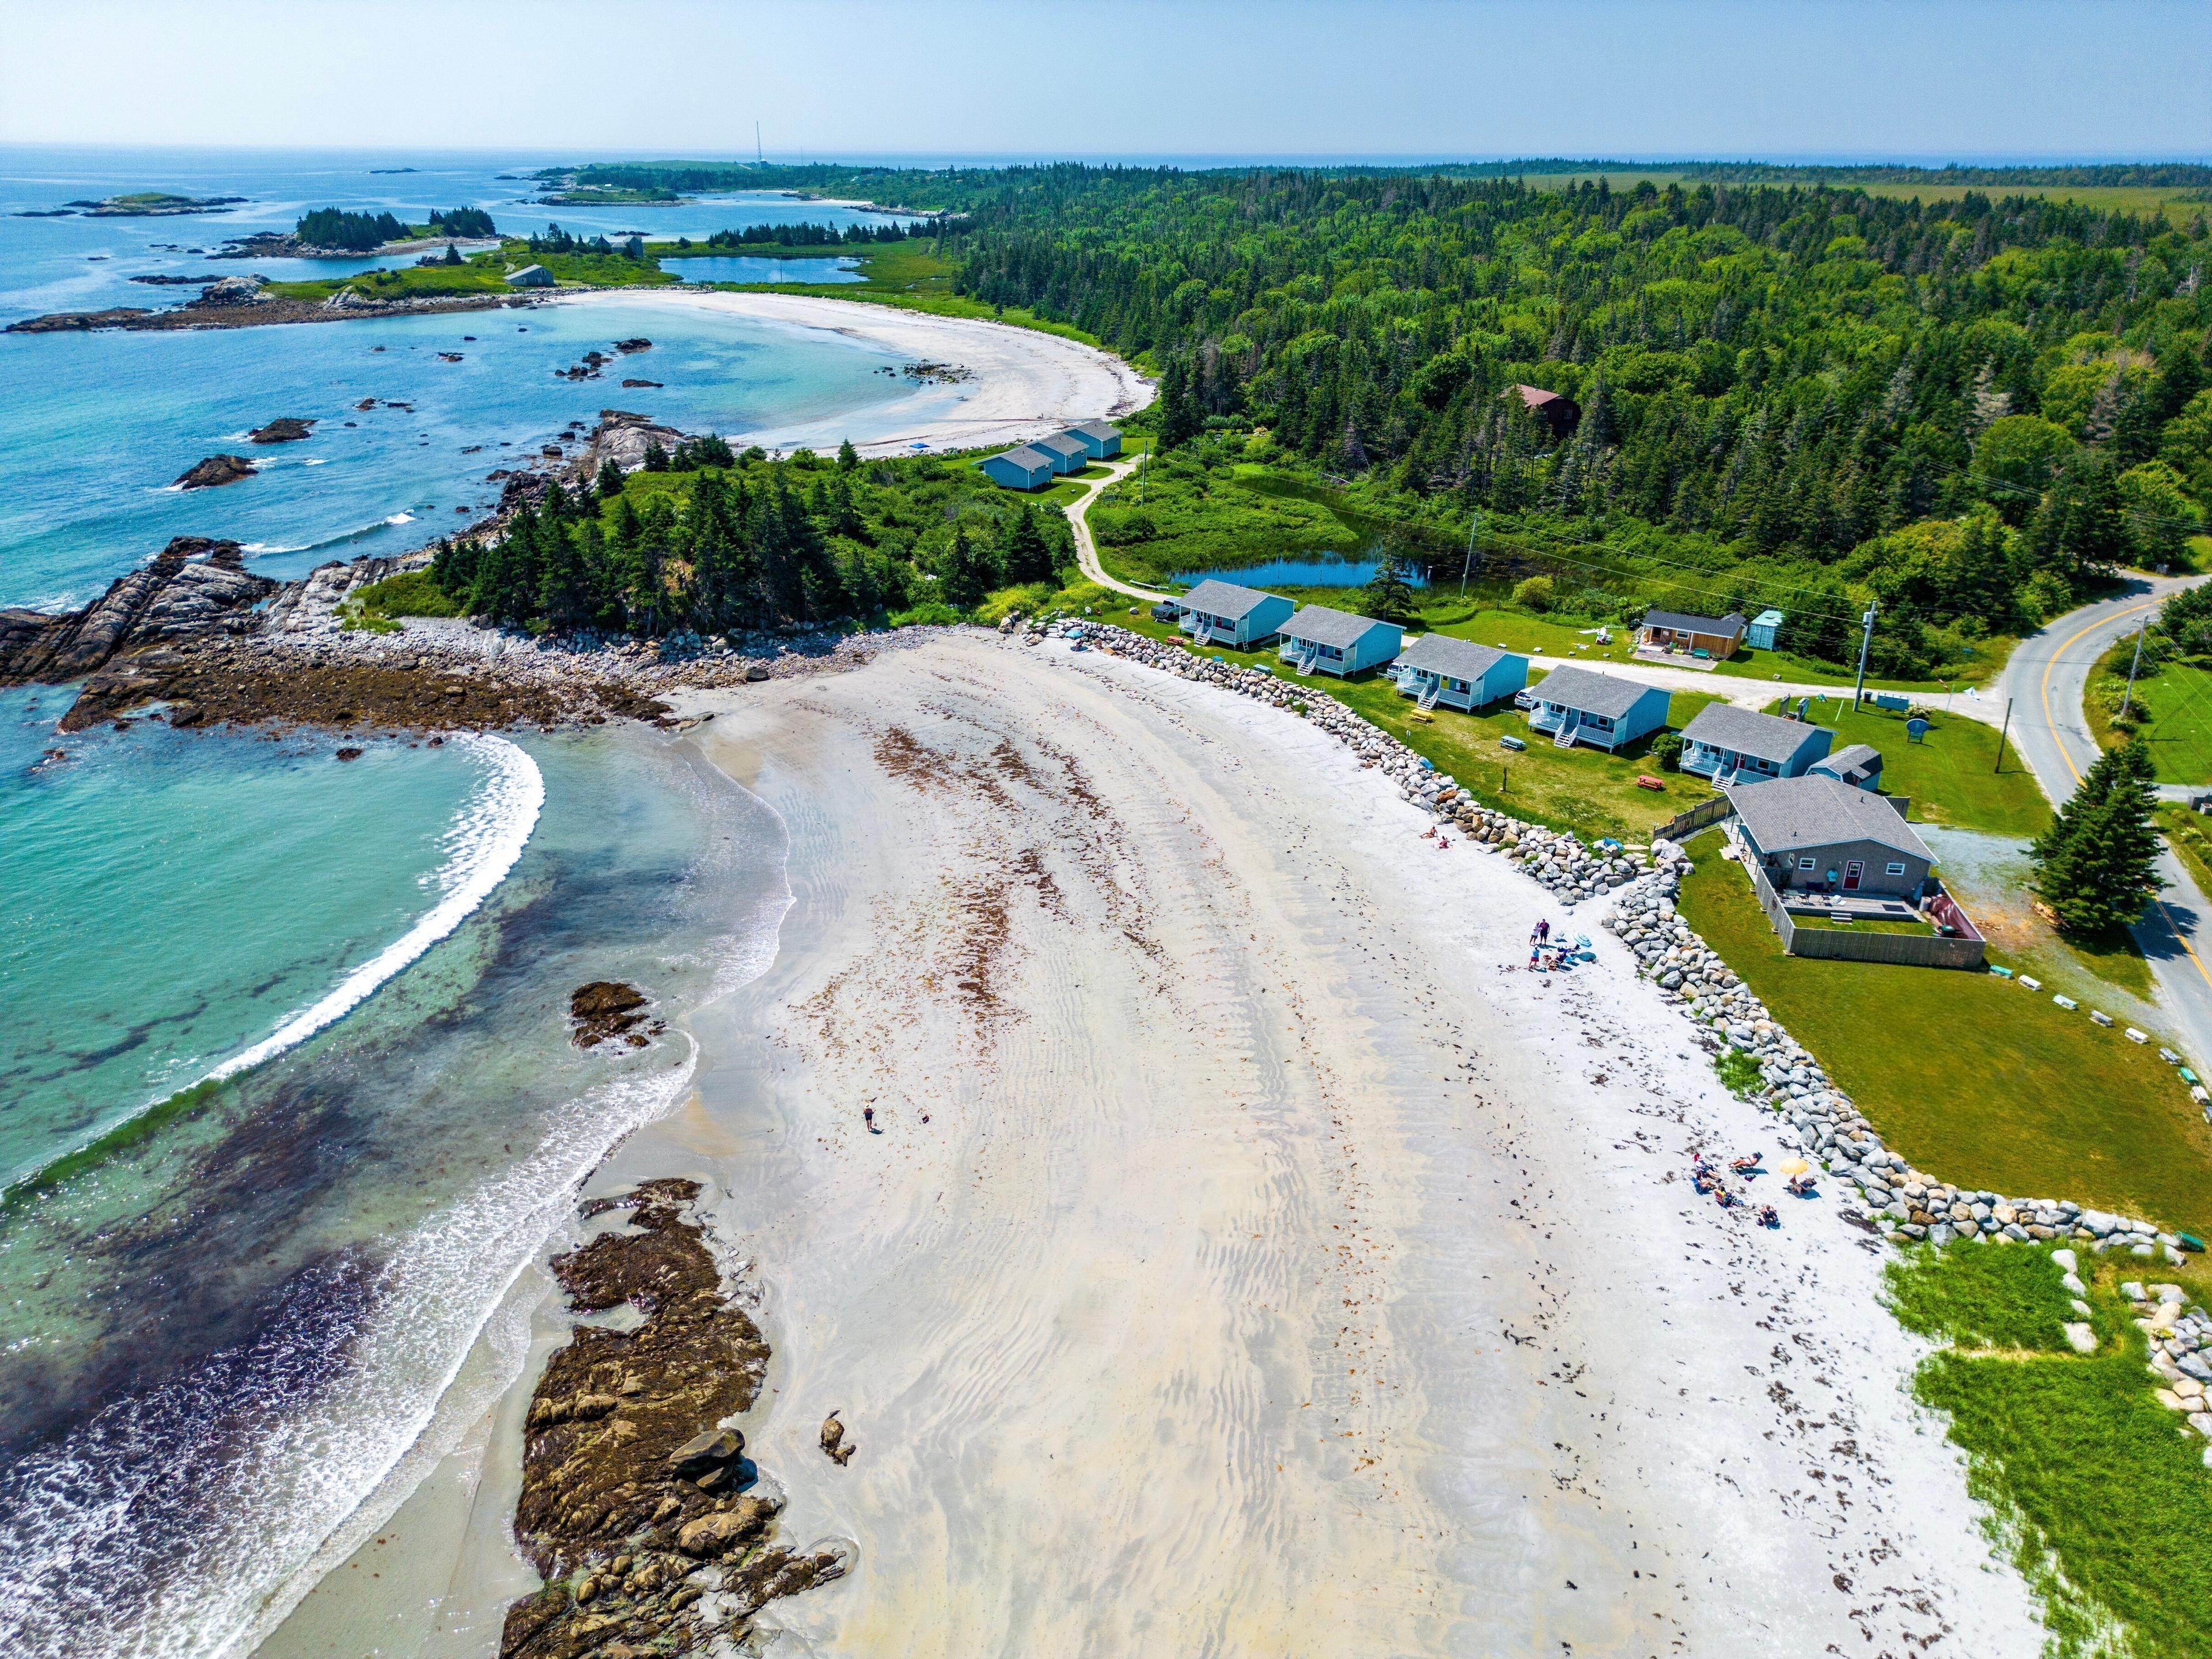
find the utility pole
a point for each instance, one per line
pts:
(2132, 666)
(756, 149)
(2002, 730)
(1474, 524)
(1866, 641)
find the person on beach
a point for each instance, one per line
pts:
(1544, 930)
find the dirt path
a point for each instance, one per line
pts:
(1086, 554)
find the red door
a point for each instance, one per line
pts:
(1852, 871)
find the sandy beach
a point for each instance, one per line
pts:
(1025, 383)
(1252, 1260)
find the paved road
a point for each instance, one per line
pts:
(2046, 681)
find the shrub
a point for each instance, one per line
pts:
(410, 593)
(1536, 593)
(933, 614)
(1739, 1072)
(1667, 749)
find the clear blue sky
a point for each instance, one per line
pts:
(1960, 79)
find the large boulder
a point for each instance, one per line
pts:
(716, 1534)
(215, 469)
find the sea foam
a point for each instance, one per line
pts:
(482, 846)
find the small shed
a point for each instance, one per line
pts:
(1104, 441)
(1738, 746)
(1459, 673)
(1561, 414)
(530, 277)
(1337, 642)
(1025, 468)
(1764, 627)
(1819, 833)
(1222, 613)
(1069, 454)
(1580, 705)
(1674, 631)
(1859, 765)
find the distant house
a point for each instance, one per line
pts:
(1672, 630)
(1222, 613)
(1821, 834)
(1860, 766)
(530, 277)
(1025, 468)
(1561, 414)
(1069, 454)
(1319, 639)
(1735, 745)
(1765, 626)
(1103, 441)
(1579, 705)
(1459, 673)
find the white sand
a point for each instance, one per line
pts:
(1026, 383)
(1275, 1274)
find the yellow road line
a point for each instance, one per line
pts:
(2165, 910)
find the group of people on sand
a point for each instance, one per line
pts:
(1437, 835)
(1706, 1178)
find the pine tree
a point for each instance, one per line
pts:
(969, 572)
(1180, 419)
(609, 479)
(847, 456)
(1023, 555)
(1390, 595)
(2096, 867)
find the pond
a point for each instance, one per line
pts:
(739, 268)
(1314, 571)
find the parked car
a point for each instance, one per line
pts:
(1524, 699)
(1166, 611)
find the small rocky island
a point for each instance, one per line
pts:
(146, 204)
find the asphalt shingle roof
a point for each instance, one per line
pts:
(1025, 457)
(1097, 430)
(1223, 600)
(1323, 626)
(1682, 622)
(1744, 731)
(1789, 814)
(1591, 693)
(1861, 759)
(1455, 659)
(1060, 443)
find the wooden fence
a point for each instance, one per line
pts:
(1903, 950)
(1696, 819)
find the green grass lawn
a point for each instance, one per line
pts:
(1584, 790)
(2189, 835)
(2098, 1490)
(2173, 716)
(1952, 776)
(1971, 1076)
(1864, 924)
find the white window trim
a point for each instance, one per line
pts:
(1808, 864)
(1895, 867)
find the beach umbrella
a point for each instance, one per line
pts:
(1795, 1166)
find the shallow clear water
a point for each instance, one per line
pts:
(741, 268)
(1317, 570)
(225, 1313)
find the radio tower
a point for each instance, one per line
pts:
(756, 149)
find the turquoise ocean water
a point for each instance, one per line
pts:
(286, 1095)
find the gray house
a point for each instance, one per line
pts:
(1222, 613)
(530, 277)
(1579, 705)
(1336, 641)
(1025, 468)
(1860, 766)
(1069, 454)
(1459, 673)
(1819, 834)
(1735, 745)
(1101, 439)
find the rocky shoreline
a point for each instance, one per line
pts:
(230, 310)
(653, 1530)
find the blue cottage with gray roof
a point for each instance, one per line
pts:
(1020, 469)
(1222, 613)
(1437, 668)
(1579, 705)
